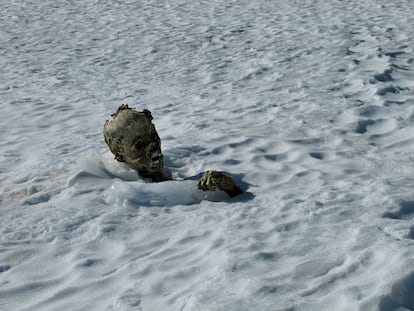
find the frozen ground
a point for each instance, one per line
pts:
(308, 103)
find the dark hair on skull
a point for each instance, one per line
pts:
(133, 139)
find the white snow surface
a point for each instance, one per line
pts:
(309, 104)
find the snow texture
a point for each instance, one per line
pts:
(309, 104)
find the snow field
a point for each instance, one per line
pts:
(307, 103)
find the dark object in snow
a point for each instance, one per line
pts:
(132, 138)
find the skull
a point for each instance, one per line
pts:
(132, 138)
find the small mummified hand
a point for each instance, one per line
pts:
(213, 180)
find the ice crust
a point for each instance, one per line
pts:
(309, 104)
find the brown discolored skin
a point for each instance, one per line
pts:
(132, 138)
(213, 180)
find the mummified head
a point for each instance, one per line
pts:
(132, 138)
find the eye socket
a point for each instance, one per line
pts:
(138, 145)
